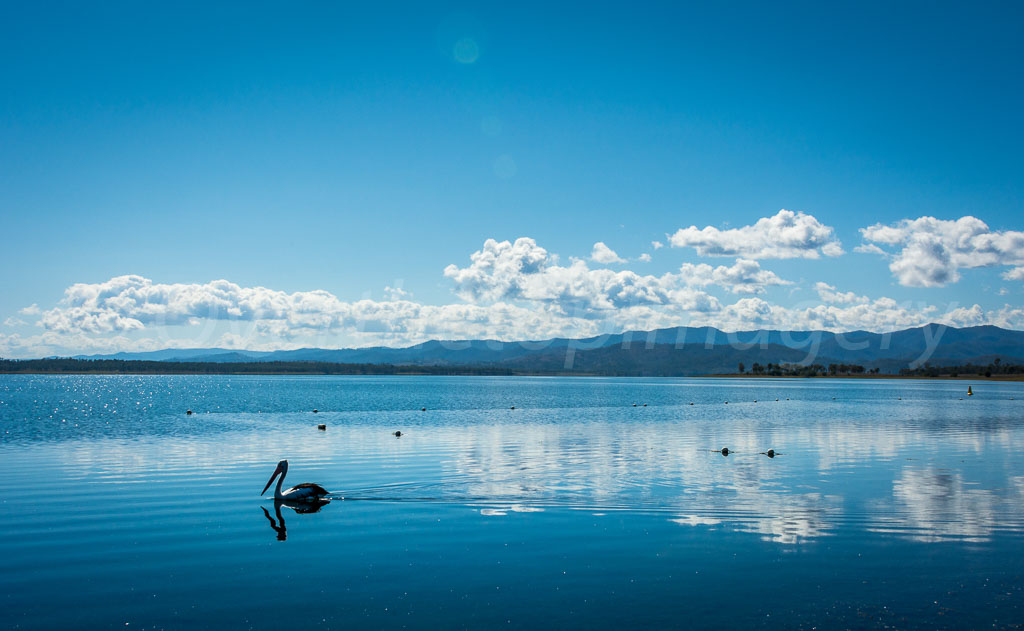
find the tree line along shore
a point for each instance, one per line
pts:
(995, 370)
(145, 367)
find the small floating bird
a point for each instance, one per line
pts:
(322, 427)
(306, 492)
(188, 412)
(770, 453)
(397, 434)
(725, 451)
(512, 408)
(315, 410)
(423, 409)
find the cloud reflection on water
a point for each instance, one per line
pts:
(933, 504)
(925, 472)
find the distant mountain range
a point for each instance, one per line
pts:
(673, 351)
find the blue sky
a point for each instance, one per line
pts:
(297, 151)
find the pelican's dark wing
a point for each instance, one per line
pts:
(316, 488)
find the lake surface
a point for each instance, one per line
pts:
(889, 503)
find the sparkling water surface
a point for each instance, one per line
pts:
(889, 503)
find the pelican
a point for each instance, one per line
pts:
(306, 492)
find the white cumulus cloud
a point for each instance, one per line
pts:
(128, 304)
(604, 254)
(785, 235)
(846, 311)
(929, 252)
(523, 271)
(1016, 273)
(496, 271)
(829, 295)
(870, 248)
(743, 277)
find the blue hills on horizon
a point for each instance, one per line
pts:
(691, 350)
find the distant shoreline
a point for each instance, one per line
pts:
(484, 373)
(68, 366)
(63, 366)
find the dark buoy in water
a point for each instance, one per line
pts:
(423, 409)
(512, 408)
(776, 399)
(725, 451)
(397, 434)
(315, 410)
(755, 400)
(322, 427)
(691, 402)
(727, 403)
(188, 412)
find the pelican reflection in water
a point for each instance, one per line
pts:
(299, 507)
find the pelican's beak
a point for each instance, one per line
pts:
(271, 480)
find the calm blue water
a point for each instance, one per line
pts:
(891, 503)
